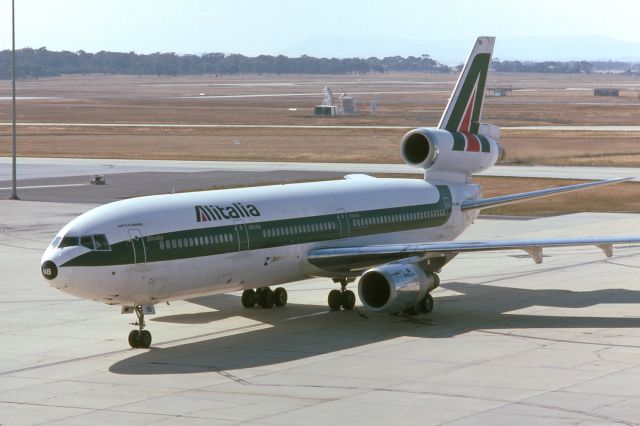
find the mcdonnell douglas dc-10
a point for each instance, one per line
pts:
(395, 234)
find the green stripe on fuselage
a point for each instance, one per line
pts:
(240, 237)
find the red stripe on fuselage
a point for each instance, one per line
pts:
(473, 144)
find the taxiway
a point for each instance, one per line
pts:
(508, 342)
(43, 168)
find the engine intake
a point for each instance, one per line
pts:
(416, 149)
(438, 150)
(395, 288)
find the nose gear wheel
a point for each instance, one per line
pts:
(139, 338)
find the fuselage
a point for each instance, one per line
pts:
(168, 247)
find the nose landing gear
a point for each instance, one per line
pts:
(139, 338)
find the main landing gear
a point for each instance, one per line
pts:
(264, 297)
(139, 338)
(424, 306)
(343, 298)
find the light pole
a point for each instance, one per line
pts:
(14, 192)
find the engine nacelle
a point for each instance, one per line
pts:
(395, 288)
(438, 150)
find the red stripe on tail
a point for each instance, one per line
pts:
(465, 125)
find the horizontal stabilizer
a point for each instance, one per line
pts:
(485, 203)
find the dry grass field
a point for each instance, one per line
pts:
(404, 101)
(620, 198)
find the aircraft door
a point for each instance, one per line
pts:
(138, 247)
(343, 223)
(242, 234)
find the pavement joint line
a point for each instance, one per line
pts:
(315, 314)
(549, 339)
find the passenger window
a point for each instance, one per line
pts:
(161, 245)
(69, 242)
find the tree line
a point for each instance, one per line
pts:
(558, 67)
(35, 63)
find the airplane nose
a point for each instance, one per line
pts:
(49, 270)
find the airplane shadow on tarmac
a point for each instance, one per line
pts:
(300, 331)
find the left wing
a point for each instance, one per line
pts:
(355, 259)
(525, 196)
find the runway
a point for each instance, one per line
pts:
(509, 342)
(30, 168)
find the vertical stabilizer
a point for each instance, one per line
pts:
(465, 105)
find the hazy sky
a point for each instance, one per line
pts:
(254, 27)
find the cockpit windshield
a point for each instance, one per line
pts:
(68, 241)
(92, 242)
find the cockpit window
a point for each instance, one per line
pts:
(69, 241)
(87, 242)
(92, 242)
(101, 242)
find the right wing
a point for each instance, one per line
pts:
(355, 259)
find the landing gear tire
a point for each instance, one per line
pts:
(145, 339)
(428, 304)
(280, 296)
(265, 298)
(139, 338)
(134, 339)
(425, 306)
(335, 300)
(348, 300)
(249, 298)
(343, 298)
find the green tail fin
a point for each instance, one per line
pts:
(465, 105)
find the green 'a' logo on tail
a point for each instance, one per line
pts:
(465, 106)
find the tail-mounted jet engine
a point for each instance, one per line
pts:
(437, 150)
(395, 288)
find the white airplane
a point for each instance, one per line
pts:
(394, 233)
